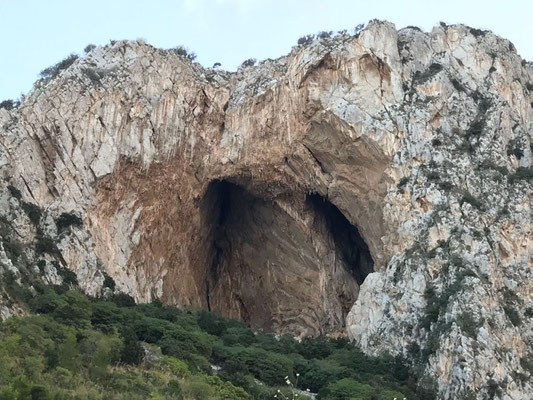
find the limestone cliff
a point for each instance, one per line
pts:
(378, 183)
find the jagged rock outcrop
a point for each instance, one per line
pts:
(390, 170)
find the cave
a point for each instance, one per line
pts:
(289, 264)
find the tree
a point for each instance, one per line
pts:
(68, 354)
(132, 352)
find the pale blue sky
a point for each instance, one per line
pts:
(38, 33)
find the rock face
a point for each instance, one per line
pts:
(379, 183)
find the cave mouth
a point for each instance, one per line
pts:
(289, 265)
(346, 236)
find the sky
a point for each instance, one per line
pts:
(38, 33)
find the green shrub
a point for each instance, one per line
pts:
(132, 353)
(9, 104)
(109, 282)
(75, 342)
(522, 173)
(319, 373)
(476, 128)
(66, 220)
(14, 192)
(514, 148)
(346, 388)
(238, 336)
(468, 198)
(422, 77)
(513, 315)
(89, 48)
(123, 300)
(178, 367)
(468, 324)
(478, 32)
(184, 52)
(45, 244)
(314, 348)
(305, 40)
(55, 70)
(248, 63)
(403, 182)
(211, 322)
(197, 388)
(32, 211)
(13, 248)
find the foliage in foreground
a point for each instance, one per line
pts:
(81, 348)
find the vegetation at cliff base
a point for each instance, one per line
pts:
(81, 348)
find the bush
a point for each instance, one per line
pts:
(109, 282)
(32, 211)
(89, 48)
(132, 353)
(44, 244)
(55, 70)
(177, 367)
(9, 104)
(197, 388)
(66, 220)
(184, 52)
(76, 357)
(14, 192)
(403, 182)
(468, 198)
(468, 324)
(422, 77)
(478, 32)
(248, 63)
(346, 388)
(238, 336)
(513, 315)
(318, 373)
(123, 300)
(514, 148)
(476, 128)
(305, 40)
(522, 173)
(211, 322)
(13, 248)
(315, 348)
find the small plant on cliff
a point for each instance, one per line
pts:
(468, 324)
(14, 192)
(305, 40)
(9, 104)
(249, 63)
(32, 211)
(513, 315)
(470, 199)
(422, 77)
(66, 220)
(522, 173)
(184, 52)
(55, 70)
(324, 34)
(89, 48)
